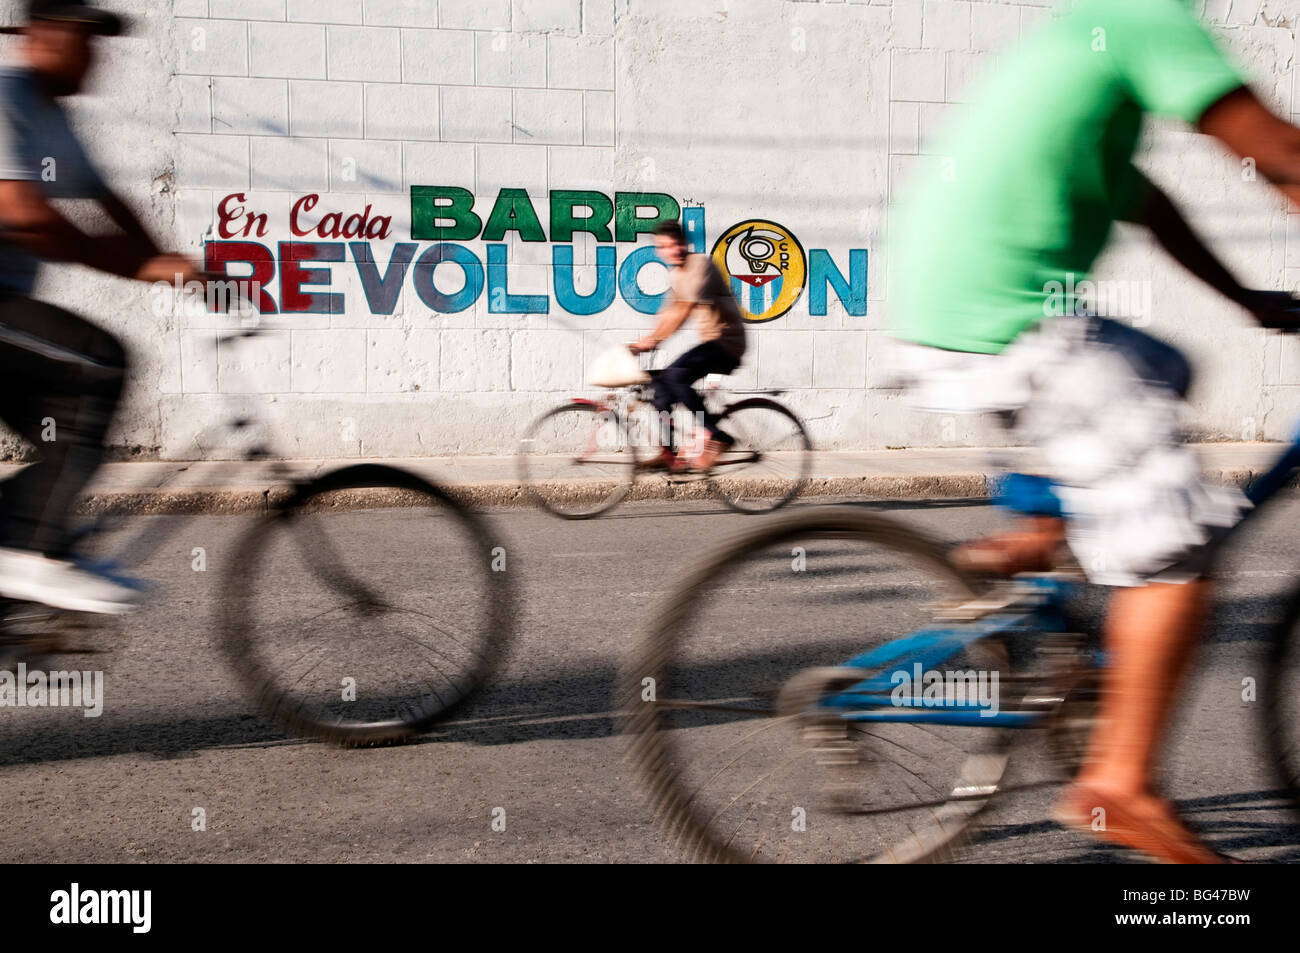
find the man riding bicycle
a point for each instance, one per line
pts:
(1032, 179)
(62, 376)
(696, 287)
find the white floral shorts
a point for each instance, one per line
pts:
(1102, 403)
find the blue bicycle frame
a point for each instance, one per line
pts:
(904, 661)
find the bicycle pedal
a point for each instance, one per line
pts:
(837, 757)
(1021, 593)
(992, 601)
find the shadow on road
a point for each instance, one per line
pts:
(1230, 835)
(567, 704)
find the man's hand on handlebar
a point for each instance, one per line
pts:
(1278, 310)
(171, 268)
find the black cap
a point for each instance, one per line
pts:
(93, 20)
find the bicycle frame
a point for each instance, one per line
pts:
(624, 403)
(872, 699)
(148, 536)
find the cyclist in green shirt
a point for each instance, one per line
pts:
(989, 260)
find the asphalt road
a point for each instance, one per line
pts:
(539, 747)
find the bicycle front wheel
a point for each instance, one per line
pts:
(366, 626)
(768, 464)
(575, 461)
(722, 699)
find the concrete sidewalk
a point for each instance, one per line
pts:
(235, 487)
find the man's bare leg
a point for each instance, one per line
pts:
(1150, 637)
(1031, 547)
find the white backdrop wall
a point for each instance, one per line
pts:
(807, 114)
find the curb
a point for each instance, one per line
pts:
(220, 501)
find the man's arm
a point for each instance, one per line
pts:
(1245, 125)
(669, 321)
(28, 220)
(1155, 210)
(125, 219)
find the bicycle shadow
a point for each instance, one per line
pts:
(658, 509)
(574, 702)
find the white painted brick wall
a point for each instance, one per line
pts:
(257, 107)
(476, 114)
(212, 47)
(196, 104)
(598, 118)
(402, 360)
(994, 25)
(326, 109)
(918, 76)
(397, 111)
(474, 14)
(365, 166)
(580, 62)
(506, 59)
(438, 56)
(364, 53)
(289, 164)
(510, 167)
(324, 11)
(294, 50)
(328, 362)
(547, 15)
(552, 116)
(400, 13)
(358, 100)
(946, 25)
(247, 9)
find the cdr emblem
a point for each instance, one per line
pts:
(766, 265)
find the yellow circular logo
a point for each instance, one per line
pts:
(767, 267)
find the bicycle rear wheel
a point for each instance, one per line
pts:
(575, 461)
(1281, 709)
(769, 462)
(717, 699)
(365, 627)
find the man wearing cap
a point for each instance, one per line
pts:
(60, 376)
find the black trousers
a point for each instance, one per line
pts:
(61, 379)
(673, 384)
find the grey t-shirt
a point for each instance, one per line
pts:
(698, 281)
(38, 145)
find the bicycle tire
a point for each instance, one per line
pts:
(238, 628)
(750, 493)
(563, 497)
(654, 747)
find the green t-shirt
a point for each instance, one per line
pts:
(1039, 167)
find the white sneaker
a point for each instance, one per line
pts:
(32, 577)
